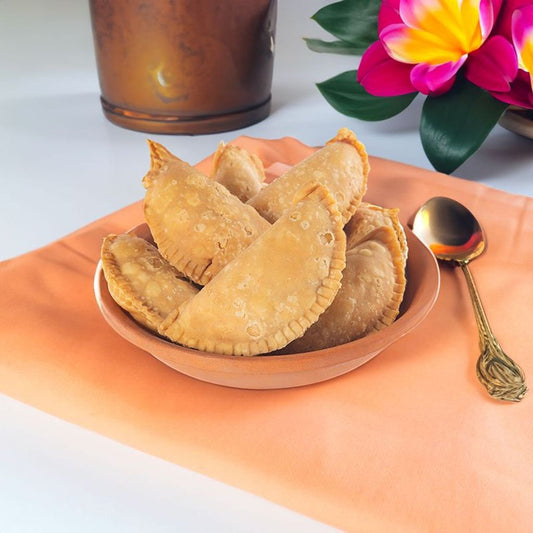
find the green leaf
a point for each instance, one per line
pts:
(334, 47)
(353, 21)
(344, 93)
(454, 125)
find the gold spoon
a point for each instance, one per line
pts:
(453, 234)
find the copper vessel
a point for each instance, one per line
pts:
(184, 66)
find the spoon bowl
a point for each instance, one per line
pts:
(454, 234)
(449, 229)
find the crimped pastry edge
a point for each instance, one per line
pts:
(121, 290)
(389, 237)
(347, 136)
(295, 328)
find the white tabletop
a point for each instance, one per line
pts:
(64, 165)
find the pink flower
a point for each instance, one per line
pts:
(494, 66)
(517, 25)
(503, 64)
(503, 25)
(423, 44)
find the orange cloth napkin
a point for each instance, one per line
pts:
(408, 442)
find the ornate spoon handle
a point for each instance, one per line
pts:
(500, 375)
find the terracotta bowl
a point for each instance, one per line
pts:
(282, 371)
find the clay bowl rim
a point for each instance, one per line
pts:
(421, 295)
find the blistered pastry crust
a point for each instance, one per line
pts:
(197, 224)
(141, 281)
(372, 290)
(369, 217)
(328, 270)
(341, 165)
(275, 289)
(241, 172)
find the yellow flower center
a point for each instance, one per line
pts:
(435, 31)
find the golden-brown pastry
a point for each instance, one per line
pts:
(372, 290)
(342, 166)
(275, 289)
(197, 224)
(369, 217)
(241, 172)
(141, 281)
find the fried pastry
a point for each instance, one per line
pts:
(197, 224)
(141, 281)
(275, 289)
(241, 172)
(341, 165)
(372, 290)
(369, 217)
